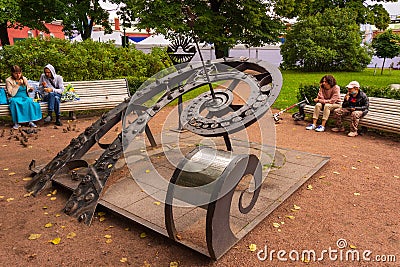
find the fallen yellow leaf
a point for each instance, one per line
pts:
(28, 194)
(336, 172)
(57, 215)
(53, 198)
(352, 246)
(147, 171)
(376, 167)
(143, 235)
(54, 192)
(101, 213)
(34, 236)
(9, 199)
(107, 236)
(48, 195)
(109, 166)
(55, 241)
(48, 225)
(276, 225)
(359, 160)
(1, 197)
(123, 260)
(27, 179)
(322, 176)
(157, 203)
(102, 219)
(353, 168)
(357, 194)
(396, 176)
(108, 241)
(11, 173)
(290, 217)
(5, 169)
(296, 207)
(45, 207)
(253, 247)
(127, 229)
(108, 228)
(71, 235)
(344, 156)
(309, 187)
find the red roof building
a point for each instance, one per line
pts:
(55, 29)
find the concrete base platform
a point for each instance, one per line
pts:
(125, 196)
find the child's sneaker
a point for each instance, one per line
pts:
(311, 127)
(352, 134)
(320, 129)
(16, 126)
(32, 125)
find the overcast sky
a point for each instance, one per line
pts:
(392, 8)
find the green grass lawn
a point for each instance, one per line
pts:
(292, 80)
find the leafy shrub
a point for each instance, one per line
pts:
(311, 91)
(80, 61)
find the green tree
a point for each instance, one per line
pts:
(319, 44)
(386, 45)
(362, 11)
(221, 22)
(82, 15)
(33, 14)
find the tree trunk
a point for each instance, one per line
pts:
(4, 34)
(87, 26)
(221, 51)
(384, 59)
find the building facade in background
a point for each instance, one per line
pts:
(55, 28)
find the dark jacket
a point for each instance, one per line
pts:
(361, 103)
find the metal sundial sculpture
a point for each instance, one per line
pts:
(198, 172)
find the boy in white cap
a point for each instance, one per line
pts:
(355, 104)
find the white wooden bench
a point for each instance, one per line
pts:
(383, 114)
(99, 94)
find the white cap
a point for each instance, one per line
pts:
(353, 84)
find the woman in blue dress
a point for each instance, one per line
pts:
(22, 107)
